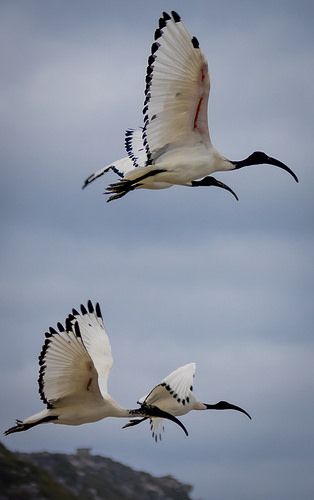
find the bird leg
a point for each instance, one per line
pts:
(21, 426)
(134, 421)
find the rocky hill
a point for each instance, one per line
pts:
(56, 476)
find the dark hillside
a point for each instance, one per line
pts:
(82, 475)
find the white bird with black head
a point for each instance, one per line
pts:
(175, 395)
(174, 147)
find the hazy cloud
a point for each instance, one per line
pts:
(182, 275)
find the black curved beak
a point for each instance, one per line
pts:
(224, 405)
(149, 411)
(154, 411)
(277, 163)
(211, 181)
(224, 186)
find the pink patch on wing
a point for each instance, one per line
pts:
(197, 112)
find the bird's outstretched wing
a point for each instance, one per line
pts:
(95, 340)
(176, 387)
(177, 89)
(172, 394)
(119, 167)
(70, 359)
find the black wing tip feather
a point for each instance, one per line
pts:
(83, 309)
(60, 327)
(175, 16)
(68, 323)
(162, 23)
(90, 307)
(98, 311)
(77, 330)
(195, 42)
(155, 47)
(157, 34)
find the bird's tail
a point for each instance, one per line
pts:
(24, 425)
(155, 423)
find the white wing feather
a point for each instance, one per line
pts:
(173, 394)
(177, 89)
(96, 342)
(67, 373)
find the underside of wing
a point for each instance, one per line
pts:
(89, 324)
(135, 147)
(67, 372)
(171, 395)
(177, 89)
(176, 387)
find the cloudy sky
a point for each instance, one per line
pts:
(182, 275)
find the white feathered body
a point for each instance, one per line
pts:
(80, 412)
(182, 165)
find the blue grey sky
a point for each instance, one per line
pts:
(182, 275)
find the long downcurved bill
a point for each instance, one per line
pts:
(238, 408)
(224, 405)
(278, 163)
(154, 411)
(224, 186)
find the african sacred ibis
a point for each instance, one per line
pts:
(175, 395)
(173, 147)
(75, 362)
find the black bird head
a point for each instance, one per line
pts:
(224, 405)
(258, 158)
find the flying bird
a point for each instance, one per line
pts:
(175, 395)
(75, 362)
(173, 147)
